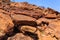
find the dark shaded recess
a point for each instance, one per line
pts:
(30, 23)
(43, 23)
(8, 35)
(4, 37)
(23, 23)
(50, 18)
(14, 32)
(55, 37)
(34, 36)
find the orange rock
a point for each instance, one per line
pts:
(6, 24)
(51, 16)
(19, 36)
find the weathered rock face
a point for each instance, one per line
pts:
(6, 24)
(4, 0)
(23, 21)
(20, 36)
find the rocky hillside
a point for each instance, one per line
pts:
(24, 21)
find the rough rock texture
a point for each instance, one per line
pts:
(20, 36)
(6, 24)
(24, 21)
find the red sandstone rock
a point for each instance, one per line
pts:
(16, 17)
(20, 36)
(6, 24)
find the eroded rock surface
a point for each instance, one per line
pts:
(20, 36)
(24, 21)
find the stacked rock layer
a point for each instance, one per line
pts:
(24, 21)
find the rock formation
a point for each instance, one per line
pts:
(24, 21)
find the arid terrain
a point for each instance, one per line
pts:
(24, 21)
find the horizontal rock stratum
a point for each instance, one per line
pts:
(24, 21)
